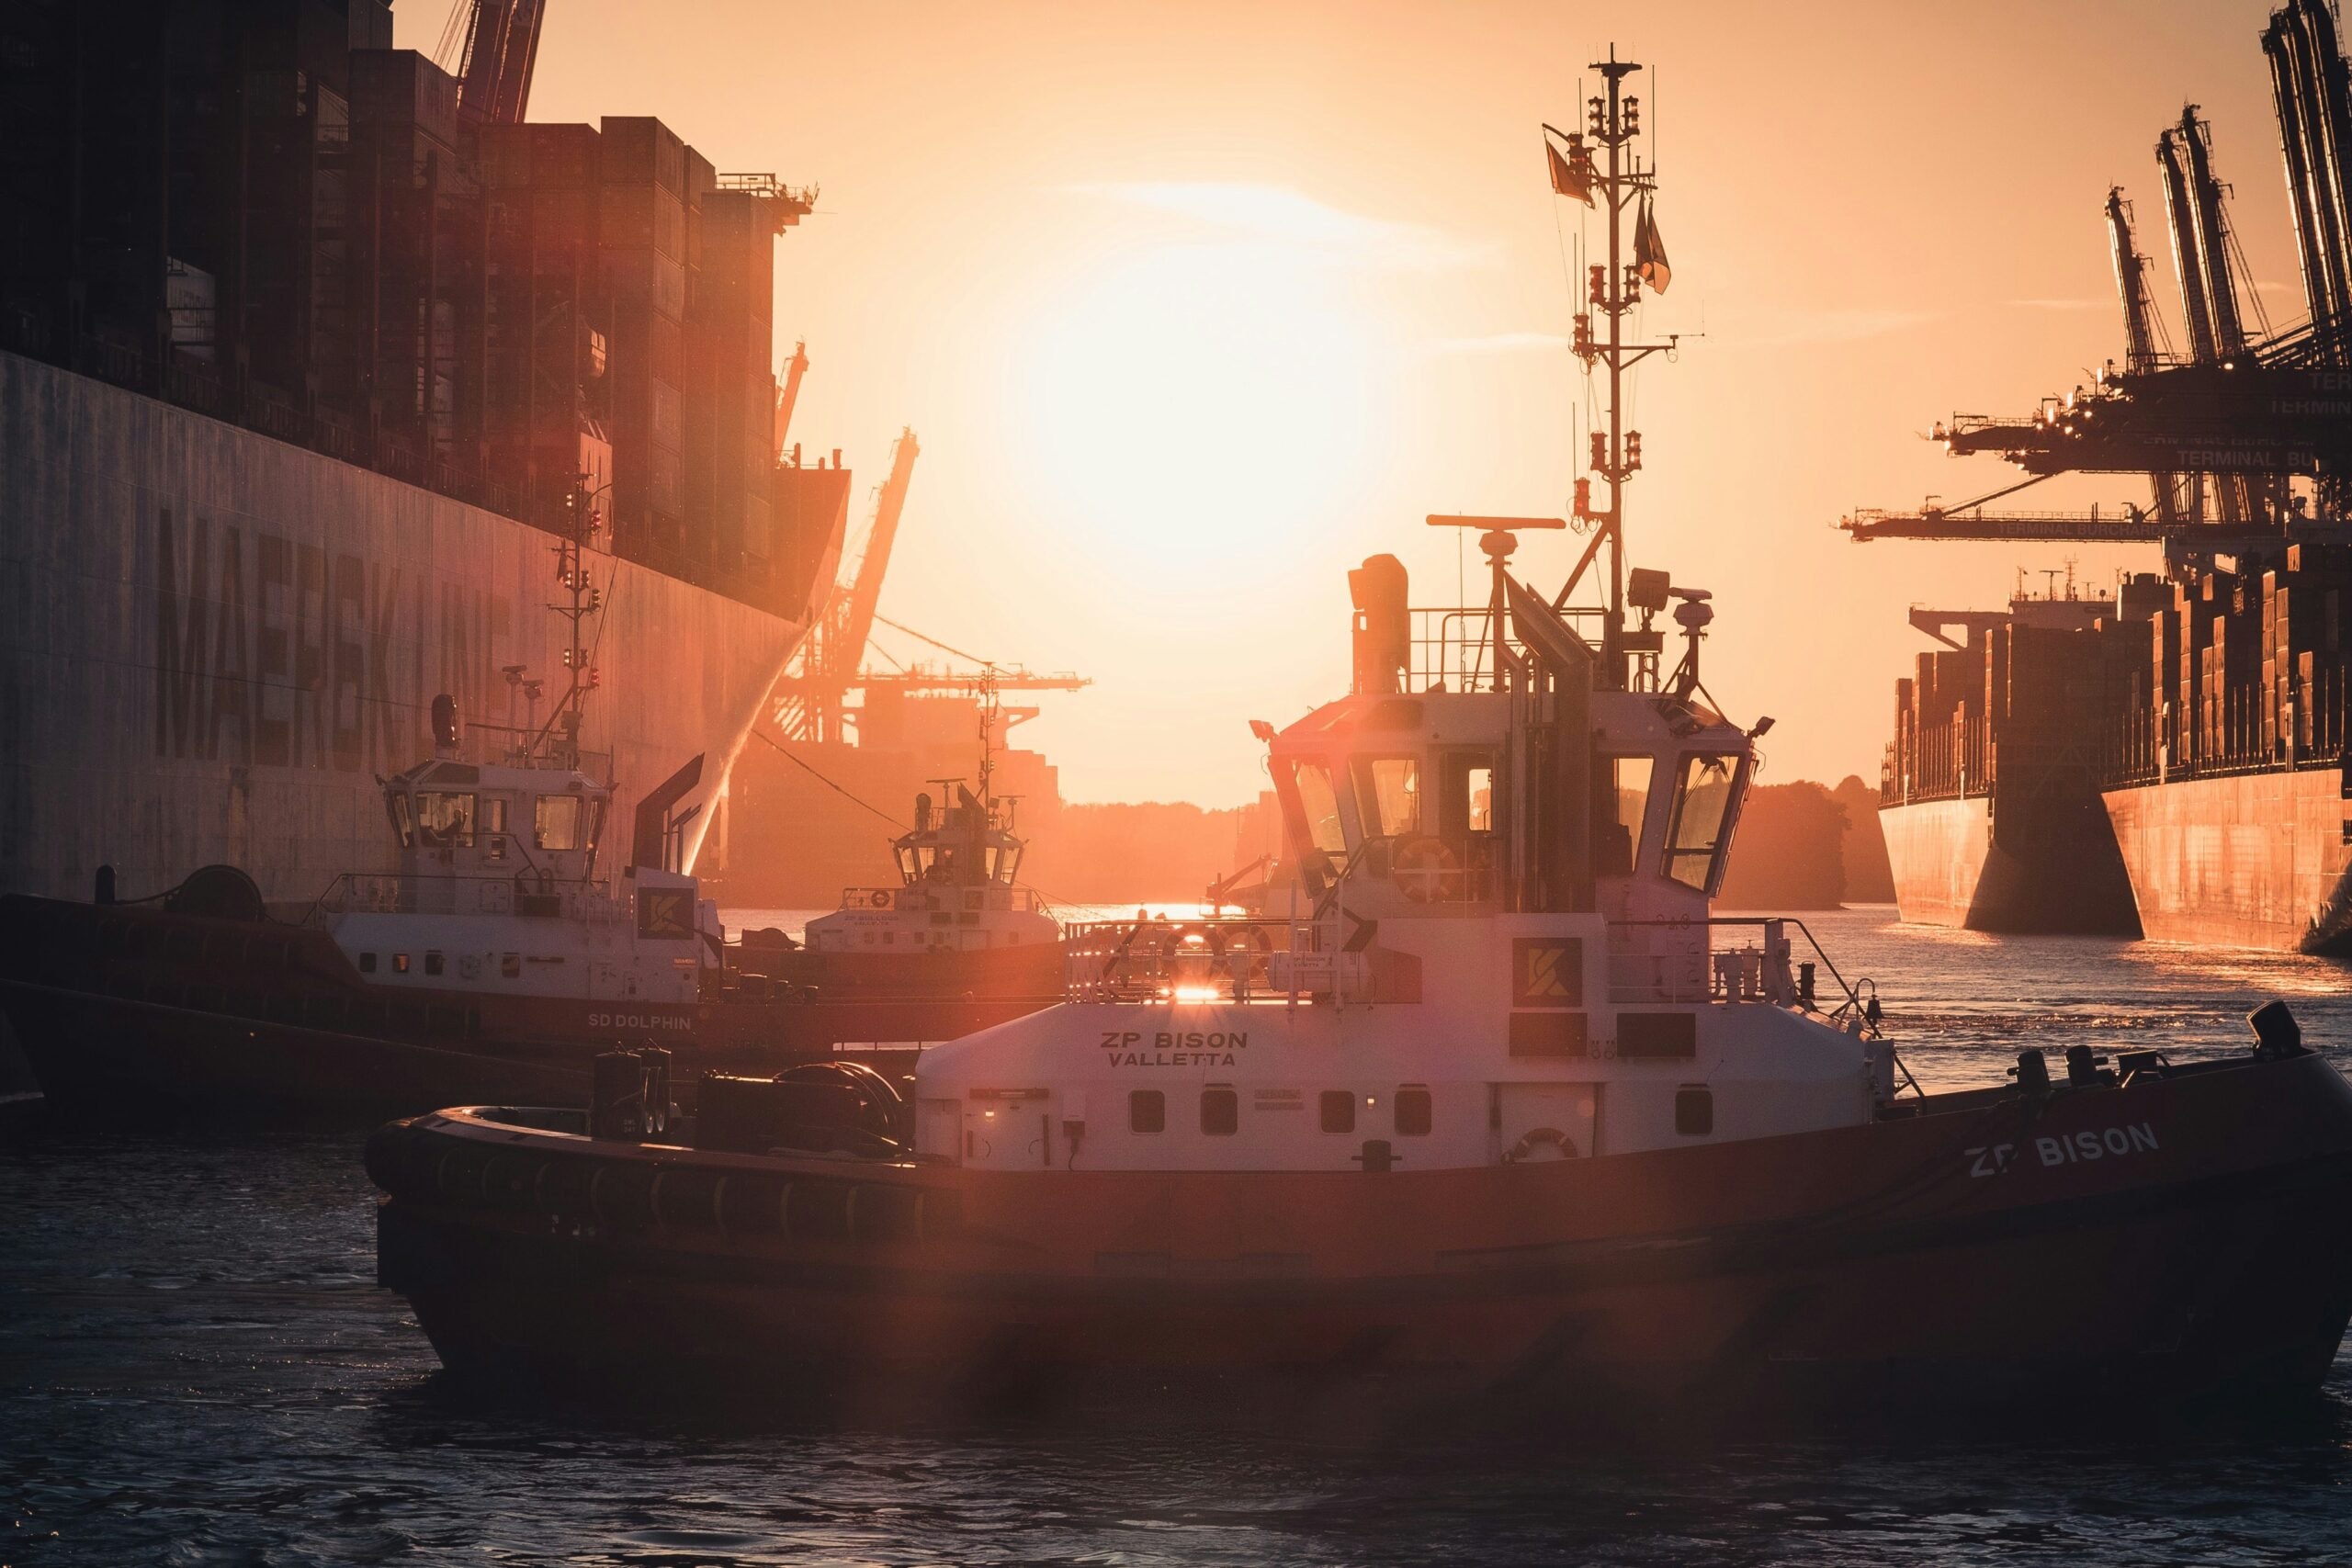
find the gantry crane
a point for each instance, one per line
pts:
(823, 672)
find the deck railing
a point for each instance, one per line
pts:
(522, 893)
(1731, 958)
(1221, 958)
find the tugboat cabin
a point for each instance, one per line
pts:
(1507, 838)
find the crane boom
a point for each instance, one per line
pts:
(856, 624)
(501, 48)
(2131, 284)
(2140, 327)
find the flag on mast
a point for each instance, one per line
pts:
(1649, 251)
(1570, 178)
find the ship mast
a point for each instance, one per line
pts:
(1625, 187)
(558, 741)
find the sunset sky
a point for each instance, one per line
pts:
(1193, 306)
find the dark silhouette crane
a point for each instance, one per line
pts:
(2142, 329)
(501, 45)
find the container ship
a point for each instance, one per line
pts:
(312, 355)
(2170, 761)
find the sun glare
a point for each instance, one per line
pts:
(1190, 398)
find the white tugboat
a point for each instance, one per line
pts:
(1506, 1109)
(959, 922)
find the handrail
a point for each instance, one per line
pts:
(1851, 989)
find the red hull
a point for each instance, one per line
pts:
(2214, 1250)
(2250, 859)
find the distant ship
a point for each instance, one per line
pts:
(310, 351)
(2173, 762)
(959, 923)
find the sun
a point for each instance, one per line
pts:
(1188, 403)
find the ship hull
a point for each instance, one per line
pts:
(1982, 1254)
(2254, 860)
(126, 1006)
(212, 642)
(2020, 863)
(1032, 971)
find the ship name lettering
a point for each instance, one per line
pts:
(2102, 1144)
(1166, 1058)
(638, 1021)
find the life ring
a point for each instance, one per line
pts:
(1426, 870)
(1239, 949)
(1541, 1145)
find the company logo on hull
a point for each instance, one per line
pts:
(270, 652)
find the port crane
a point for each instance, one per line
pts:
(2246, 434)
(815, 687)
(500, 47)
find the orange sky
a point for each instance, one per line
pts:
(1194, 306)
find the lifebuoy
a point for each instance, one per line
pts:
(1238, 948)
(1426, 870)
(1542, 1144)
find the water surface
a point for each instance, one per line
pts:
(197, 1367)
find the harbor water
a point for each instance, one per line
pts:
(196, 1366)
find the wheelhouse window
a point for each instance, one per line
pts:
(1220, 1112)
(1702, 803)
(445, 819)
(1388, 796)
(403, 818)
(1318, 801)
(555, 822)
(1147, 1110)
(1624, 812)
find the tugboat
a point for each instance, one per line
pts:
(497, 962)
(1506, 1110)
(960, 923)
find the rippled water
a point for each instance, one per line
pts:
(197, 1367)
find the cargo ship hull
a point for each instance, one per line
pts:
(2037, 866)
(211, 643)
(2254, 860)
